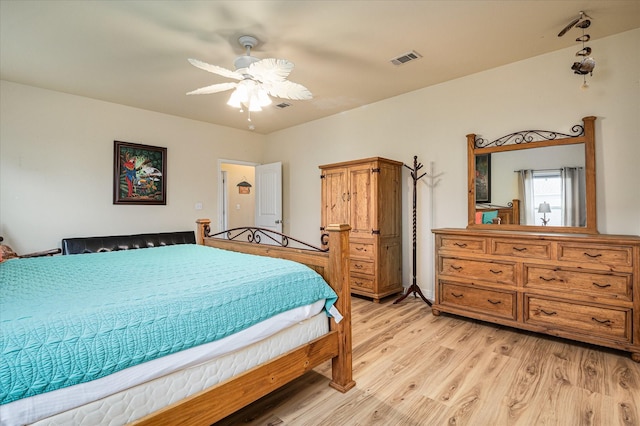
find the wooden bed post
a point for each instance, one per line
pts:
(342, 369)
(203, 229)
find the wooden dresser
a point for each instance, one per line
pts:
(580, 287)
(366, 194)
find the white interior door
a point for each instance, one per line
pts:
(269, 196)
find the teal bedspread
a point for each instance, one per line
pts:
(71, 319)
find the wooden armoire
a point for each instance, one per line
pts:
(366, 194)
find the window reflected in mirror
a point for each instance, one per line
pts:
(553, 197)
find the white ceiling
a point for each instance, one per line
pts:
(135, 52)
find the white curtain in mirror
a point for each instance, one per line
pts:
(527, 205)
(573, 186)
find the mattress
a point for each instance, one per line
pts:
(68, 320)
(143, 389)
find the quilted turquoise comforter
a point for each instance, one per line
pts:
(66, 320)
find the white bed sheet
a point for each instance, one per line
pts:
(102, 397)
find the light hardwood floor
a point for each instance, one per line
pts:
(412, 368)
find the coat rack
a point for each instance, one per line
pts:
(414, 288)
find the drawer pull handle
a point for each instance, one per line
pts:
(359, 248)
(497, 302)
(601, 285)
(457, 268)
(357, 266)
(593, 256)
(546, 279)
(548, 313)
(457, 295)
(462, 245)
(520, 249)
(603, 322)
(495, 272)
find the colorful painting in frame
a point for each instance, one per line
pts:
(139, 174)
(483, 178)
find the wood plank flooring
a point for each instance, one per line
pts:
(412, 368)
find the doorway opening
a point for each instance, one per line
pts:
(236, 207)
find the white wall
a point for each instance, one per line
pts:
(431, 123)
(56, 167)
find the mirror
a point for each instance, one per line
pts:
(522, 181)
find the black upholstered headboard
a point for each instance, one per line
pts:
(125, 242)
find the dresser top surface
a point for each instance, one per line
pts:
(600, 238)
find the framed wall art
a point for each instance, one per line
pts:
(139, 174)
(483, 178)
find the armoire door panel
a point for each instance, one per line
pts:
(335, 197)
(361, 200)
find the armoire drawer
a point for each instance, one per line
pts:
(493, 302)
(597, 321)
(360, 283)
(362, 267)
(499, 272)
(361, 250)
(528, 249)
(462, 244)
(564, 281)
(619, 255)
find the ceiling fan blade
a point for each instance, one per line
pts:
(568, 27)
(216, 69)
(270, 70)
(288, 90)
(214, 88)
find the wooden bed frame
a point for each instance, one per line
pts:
(509, 215)
(223, 399)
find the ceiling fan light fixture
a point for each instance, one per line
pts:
(263, 97)
(250, 95)
(234, 100)
(239, 96)
(258, 98)
(257, 80)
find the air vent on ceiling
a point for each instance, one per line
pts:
(283, 105)
(407, 57)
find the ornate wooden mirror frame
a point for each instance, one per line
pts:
(584, 134)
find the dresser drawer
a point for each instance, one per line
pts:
(463, 244)
(608, 285)
(619, 255)
(499, 272)
(362, 267)
(361, 250)
(528, 249)
(359, 283)
(496, 303)
(570, 316)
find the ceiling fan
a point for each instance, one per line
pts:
(257, 79)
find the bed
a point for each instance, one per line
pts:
(505, 215)
(177, 383)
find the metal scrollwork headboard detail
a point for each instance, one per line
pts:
(527, 136)
(257, 235)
